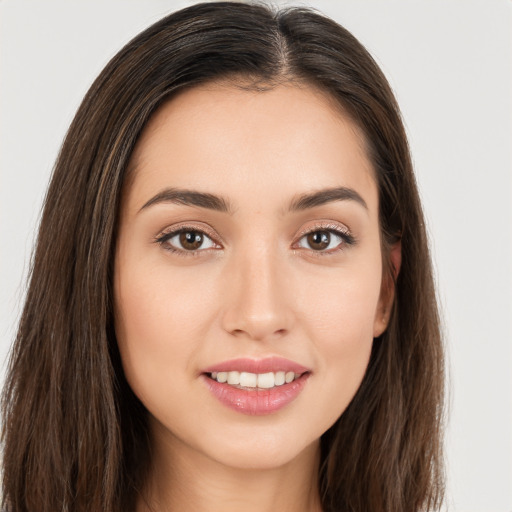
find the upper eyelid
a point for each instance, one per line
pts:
(344, 233)
(217, 239)
(325, 226)
(175, 229)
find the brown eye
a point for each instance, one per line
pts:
(191, 240)
(186, 241)
(319, 240)
(326, 241)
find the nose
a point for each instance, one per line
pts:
(257, 302)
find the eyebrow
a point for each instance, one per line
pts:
(190, 198)
(324, 196)
(218, 203)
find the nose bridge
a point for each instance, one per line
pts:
(257, 306)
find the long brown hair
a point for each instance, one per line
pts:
(74, 435)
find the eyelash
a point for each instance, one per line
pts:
(166, 236)
(344, 235)
(347, 239)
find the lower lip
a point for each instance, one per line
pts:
(256, 402)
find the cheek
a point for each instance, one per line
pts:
(340, 319)
(340, 308)
(154, 304)
(154, 314)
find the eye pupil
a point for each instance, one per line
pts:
(319, 240)
(191, 240)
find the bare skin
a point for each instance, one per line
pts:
(276, 271)
(198, 483)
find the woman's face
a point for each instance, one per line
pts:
(248, 250)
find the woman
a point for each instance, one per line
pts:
(231, 302)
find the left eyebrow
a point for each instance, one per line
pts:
(190, 198)
(324, 196)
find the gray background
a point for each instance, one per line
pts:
(450, 64)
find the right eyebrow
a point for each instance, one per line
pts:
(325, 196)
(190, 198)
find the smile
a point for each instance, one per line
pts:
(256, 387)
(249, 380)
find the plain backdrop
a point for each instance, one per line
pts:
(450, 64)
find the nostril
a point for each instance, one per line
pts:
(259, 334)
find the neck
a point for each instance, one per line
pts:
(189, 481)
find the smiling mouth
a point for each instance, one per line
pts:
(256, 386)
(254, 381)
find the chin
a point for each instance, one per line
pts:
(261, 449)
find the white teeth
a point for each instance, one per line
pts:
(279, 379)
(248, 380)
(289, 377)
(255, 380)
(234, 378)
(266, 380)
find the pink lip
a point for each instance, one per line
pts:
(269, 364)
(257, 401)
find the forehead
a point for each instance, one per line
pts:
(222, 137)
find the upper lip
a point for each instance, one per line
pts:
(266, 365)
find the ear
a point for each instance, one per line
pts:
(387, 290)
